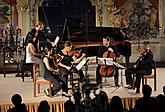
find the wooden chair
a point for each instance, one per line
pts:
(38, 80)
(152, 76)
(148, 76)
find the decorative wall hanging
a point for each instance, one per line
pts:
(143, 22)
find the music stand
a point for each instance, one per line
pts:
(119, 66)
(105, 62)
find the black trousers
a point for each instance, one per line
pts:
(99, 77)
(65, 74)
(57, 81)
(139, 74)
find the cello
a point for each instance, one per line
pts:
(108, 70)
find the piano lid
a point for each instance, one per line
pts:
(94, 34)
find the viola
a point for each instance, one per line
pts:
(142, 55)
(55, 57)
(108, 70)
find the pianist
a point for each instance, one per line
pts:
(32, 56)
(106, 47)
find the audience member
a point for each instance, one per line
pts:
(68, 106)
(160, 101)
(100, 103)
(44, 106)
(87, 102)
(18, 105)
(164, 90)
(116, 105)
(78, 107)
(146, 103)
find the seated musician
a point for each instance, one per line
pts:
(113, 49)
(51, 72)
(65, 65)
(32, 56)
(142, 66)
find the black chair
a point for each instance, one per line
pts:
(10, 64)
(26, 67)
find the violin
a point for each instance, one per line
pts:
(142, 55)
(77, 53)
(108, 70)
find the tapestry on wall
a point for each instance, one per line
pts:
(124, 8)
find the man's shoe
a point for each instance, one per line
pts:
(46, 91)
(117, 85)
(129, 87)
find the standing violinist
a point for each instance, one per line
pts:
(65, 65)
(107, 47)
(142, 67)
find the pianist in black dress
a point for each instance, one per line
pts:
(106, 47)
(65, 65)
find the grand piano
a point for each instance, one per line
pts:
(75, 20)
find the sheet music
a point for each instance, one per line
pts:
(56, 41)
(118, 65)
(105, 61)
(81, 64)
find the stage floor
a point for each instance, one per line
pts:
(11, 85)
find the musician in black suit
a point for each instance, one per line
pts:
(143, 66)
(106, 47)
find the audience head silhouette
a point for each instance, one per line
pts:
(101, 102)
(116, 104)
(44, 106)
(77, 97)
(164, 90)
(68, 106)
(160, 100)
(147, 90)
(103, 96)
(17, 101)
